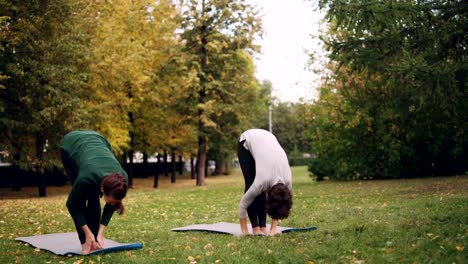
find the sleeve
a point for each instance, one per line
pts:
(107, 214)
(76, 203)
(246, 200)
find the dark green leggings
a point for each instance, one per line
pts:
(93, 205)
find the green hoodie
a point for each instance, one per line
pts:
(91, 157)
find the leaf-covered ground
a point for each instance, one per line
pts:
(392, 221)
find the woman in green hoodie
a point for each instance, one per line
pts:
(95, 173)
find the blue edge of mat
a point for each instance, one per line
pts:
(300, 229)
(112, 249)
(289, 230)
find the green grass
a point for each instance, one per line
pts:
(392, 221)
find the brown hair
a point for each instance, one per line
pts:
(116, 186)
(279, 201)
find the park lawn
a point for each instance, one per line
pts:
(390, 221)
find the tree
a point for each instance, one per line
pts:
(398, 93)
(264, 105)
(133, 48)
(41, 67)
(216, 34)
(233, 113)
(289, 124)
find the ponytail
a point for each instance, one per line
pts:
(120, 208)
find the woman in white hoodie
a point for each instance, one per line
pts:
(268, 183)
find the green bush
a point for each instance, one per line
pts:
(320, 168)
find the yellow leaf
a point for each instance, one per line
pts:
(460, 248)
(80, 261)
(310, 262)
(208, 247)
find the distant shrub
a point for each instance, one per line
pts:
(320, 168)
(299, 161)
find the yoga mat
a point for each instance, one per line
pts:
(69, 244)
(234, 229)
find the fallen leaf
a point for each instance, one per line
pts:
(460, 248)
(208, 247)
(231, 246)
(80, 261)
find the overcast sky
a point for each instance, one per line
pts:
(288, 27)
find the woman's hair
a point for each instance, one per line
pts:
(116, 186)
(279, 201)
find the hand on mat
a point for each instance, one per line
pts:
(274, 224)
(100, 236)
(243, 226)
(273, 232)
(95, 246)
(100, 241)
(87, 247)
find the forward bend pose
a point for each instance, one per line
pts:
(94, 172)
(268, 183)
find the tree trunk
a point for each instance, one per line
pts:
(192, 168)
(15, 171)
(44, 4)
(156, 175)
(227, 167)
(181, 165)
(221, 167)
(202, 137)
(201, 161)
(218, 167)
(146, 166)
(173, 167)
(165, 167)
(157, 172)
(131, 119)
(42, 183)
(39, 169)
(130, 168)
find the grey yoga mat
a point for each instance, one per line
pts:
(69, 244)
(234, 228)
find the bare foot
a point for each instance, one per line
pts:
(257, 231)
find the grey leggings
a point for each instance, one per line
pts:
(257, 209)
